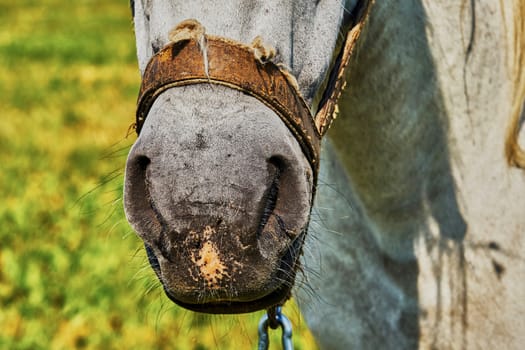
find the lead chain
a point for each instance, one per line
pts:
(282, 321)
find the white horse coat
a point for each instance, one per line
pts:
(416, 238)
(417, 161)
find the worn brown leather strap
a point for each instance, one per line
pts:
(233, 64)
(327, 111)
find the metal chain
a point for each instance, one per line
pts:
(282, 321)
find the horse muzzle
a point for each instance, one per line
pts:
(220, 192)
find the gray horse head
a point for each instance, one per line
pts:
(213, 189)
(216, 185)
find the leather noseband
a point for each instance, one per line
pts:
(233, 64)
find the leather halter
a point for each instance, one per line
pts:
(233, 64)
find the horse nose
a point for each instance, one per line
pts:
(188, 203)
(217, 194)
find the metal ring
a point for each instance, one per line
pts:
(284, 323)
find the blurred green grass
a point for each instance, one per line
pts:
(72, 273)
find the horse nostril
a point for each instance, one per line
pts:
(278, 162)
(269, 200)
(140, 176)
(137, 204)
(142, 162)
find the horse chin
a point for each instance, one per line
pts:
(277, 297)
(232, 299)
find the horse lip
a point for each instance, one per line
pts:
(278, 296)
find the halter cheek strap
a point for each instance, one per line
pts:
(196, 58)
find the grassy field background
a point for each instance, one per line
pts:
(72, 273)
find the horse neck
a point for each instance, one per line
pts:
(304, 33)
(394, 133)
(431, 96)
